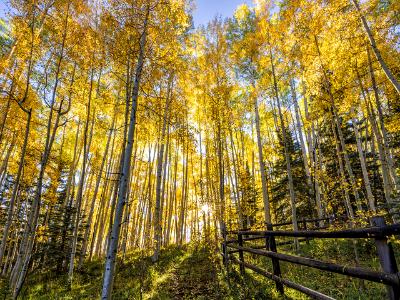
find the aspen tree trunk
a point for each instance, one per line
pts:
(157, 208)
(166, 181)
(116, 226)
(312, 140)
(72, 168)
(128, 207)
(207, 165)
(316, 162)
(136, 235)
(185, 211)
(253, 169)
(386, 147)
(349, 208)
(143, 209)
(346, 156)
(136, 208)
(201, 162)
(86, 149)
(264, 183)
(139, 231)
(135, 211)
(179, 205)
(94, 197)
(236, 185)
(370, 196)
(378, 136)
(221, 177)
(382, 157)
(148, 226)
(10, 254)
(6, 159)
(303, 146)
(165, 177)
(180, 218)
(5, 113)
(287, 155)
(128, 93)
(103, 198)
(10, 212)
(374, 47)
(104, 233)
(184, 198)
(126, 216)
(173, 198)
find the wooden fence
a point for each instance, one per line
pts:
(378, 231)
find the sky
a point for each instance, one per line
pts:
(204, 12)
(207, 9)
(3, 8)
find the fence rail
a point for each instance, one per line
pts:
(379, 232)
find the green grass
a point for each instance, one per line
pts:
(181, 273)
(335, 285)
(194, 272)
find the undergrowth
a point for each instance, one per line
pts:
(196, 272)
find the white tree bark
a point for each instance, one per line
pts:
(370, 196)
(123, 183)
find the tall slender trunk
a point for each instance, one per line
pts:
(94, 197)
(103, 197)
(312, 148)
(286, 150)
(381, 151)
(236, 185)
(172, 197)
(157, 208)
(390, 163)
(5, 114)
(86, 149)
(387, 189)
(6, 159)
(367, 184)
(221, 177)
(116, 226)
(10, 212)
(342, 175)
(303, 147)
(165, 183)
(264, 183)
(346, 156)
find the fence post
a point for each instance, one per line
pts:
(241, 256)
(386, 256)
(267, 246)
(275, 262)
(305, 228)
(224, 247)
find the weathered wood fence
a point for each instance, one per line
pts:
(378, 231)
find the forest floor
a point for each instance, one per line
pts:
(196, 272)
(181, 273)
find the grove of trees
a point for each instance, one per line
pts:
(124, 127)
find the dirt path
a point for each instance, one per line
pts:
(196, 277)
